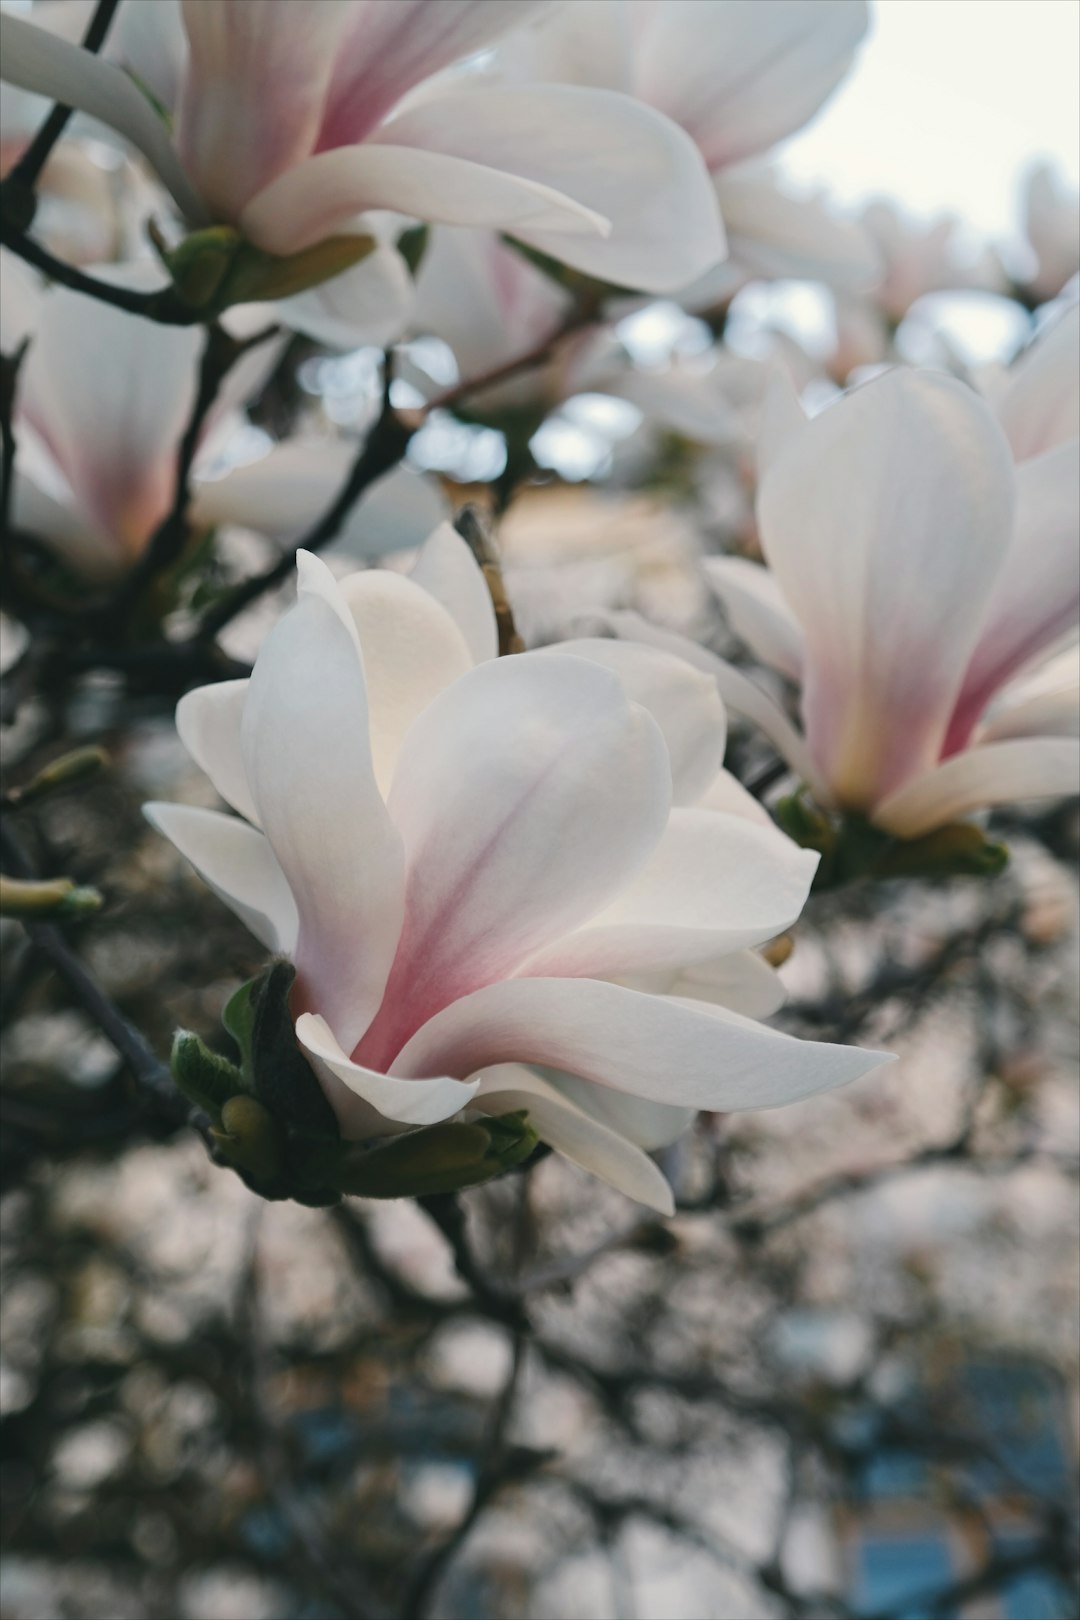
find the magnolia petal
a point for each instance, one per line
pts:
(885, 523)
(364, 1100)
(208, 721)
(683, 701)
(110, 397)
(1036, 600)
(725, 792)
(648, 1125)
(389, 49)
(236, 861)
(776, 235)
(739, 75)
(501, 796)
(412, 650)
(252, 97)
(571, 1131)
(758, 612)
(369, 304)
(284, 493)
(325, 193)
(622, 161)
(990, 774)
(667, 1050)
(306, 754)
(448, 571)
(715, 883)
(1039, 402)
(1043, 704)
(741, 981)
(740, 695)
(49, 66)
(72, 535)
(783, 420)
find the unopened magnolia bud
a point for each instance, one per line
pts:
(50, 900)
(215, 268)
(958, 850)
(77, 766)
(439, 1158)
(248, 1138)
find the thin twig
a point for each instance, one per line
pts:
(162, 306)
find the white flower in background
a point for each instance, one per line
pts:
(101, 404)
(739, 76)
(919, 563)
(508, 883)
(920, 256)
(1051, 209)
(290, 121)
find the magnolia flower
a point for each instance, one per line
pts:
(1052, 223)
(505, 883)
(739, 77)
(915, 571)
(289, 121)
(924, 256)
(101, 404)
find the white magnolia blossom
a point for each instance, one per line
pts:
(921, 559)
(1051, 210)
(506, 883)
(292, 121)
(920, 256)
(739, 76)
(102, 402)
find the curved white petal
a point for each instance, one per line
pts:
(622, 161)
(307, 758)
(364, 1100)
(783, 420)
(1038, 404)
(683, 701)
(725, 792)
(1045, 703)
(502, 796)
(774, 234)
(994, 773)
(667, 1050)
(740, 695)
(1036, 599)
(715, 883)
(758, 612)
(448, 571)
(208, 721)
(885, 523)
(238, 864)
(743, 981)
(604, 1152)
(740, 75)
(72, 534)
(412, 650)
(325, 193)
(251, 100)
(369, 304)
(284, 494)
(39, 61)
(648, 1125)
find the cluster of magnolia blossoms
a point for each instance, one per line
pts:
(519, 883)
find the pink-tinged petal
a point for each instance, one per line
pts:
(253, 94)
(997, 773)
(283, 494)
(682, 700)
(666, 1050)
(502, 795)
(208, 721)
(388, 49)
(324, 195)
(110, 397)
(236, 861)
(72, 534)
(758, 612)
(1036, 600)
(369, 304)
(412, 650)
(740, 75)
(725, 792)
(622, 161)
(714, 884)
(1043, 704)
(1038, 404)
(41, 62)
(308, 762)
(885, 523)
(571, 1131)
(740, 695)
(365, 1101)
(774, 234)
(448, 571)
(783, 420)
